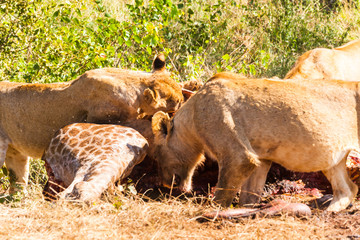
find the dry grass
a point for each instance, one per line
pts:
(139, 218)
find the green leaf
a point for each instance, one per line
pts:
(128, 43)
(113, 28)
(154, 40)
(77, 10)
(147, 39)
(137, 39)
(36, 67)
(252, 69)
(76, 20)
(78, 45)
(174, 12)
(139, 2)
(118, 204)
(226, 57)
(149, 51)
(89, 29)
(66, 19)
(5, 171)
(120, 40)
(56, 13)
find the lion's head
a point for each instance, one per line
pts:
(175, 168)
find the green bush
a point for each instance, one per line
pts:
(291, 28)
(50, 41)
(57, 41)
(58, 44)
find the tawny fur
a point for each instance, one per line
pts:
(342, 63)
(89, 158)
(32, 113)
(192, 85)
(304, 125)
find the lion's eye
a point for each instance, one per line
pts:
(176, 180)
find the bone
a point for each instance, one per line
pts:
(274, 208)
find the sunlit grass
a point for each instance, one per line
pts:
(128, 216)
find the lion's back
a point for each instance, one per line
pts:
(321, 63)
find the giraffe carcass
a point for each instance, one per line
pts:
(89, 158)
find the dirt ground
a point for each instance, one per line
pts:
(139, 209)
(132, 216)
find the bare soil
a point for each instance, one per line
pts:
(130, 216)
(140, 209)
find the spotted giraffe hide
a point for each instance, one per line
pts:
(88, 158)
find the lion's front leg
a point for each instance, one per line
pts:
(233, 172)
(253, 187)
(18, 166)
(4, 144)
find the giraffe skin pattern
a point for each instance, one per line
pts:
(87, 159)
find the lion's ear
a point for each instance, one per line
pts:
(159, 63)
(160, 124)
(150, 95)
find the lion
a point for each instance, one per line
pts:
(246, 124)
(341, 63)
(32, 113)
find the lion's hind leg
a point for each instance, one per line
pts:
(344, 190)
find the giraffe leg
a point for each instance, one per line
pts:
(93, 179)
(68, 192)
(18, 166)
(89, 184)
